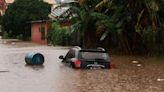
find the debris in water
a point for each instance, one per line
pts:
(135, 62)
(160, 79)
(139, 65)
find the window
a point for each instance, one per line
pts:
(70, 54)
(93, 55)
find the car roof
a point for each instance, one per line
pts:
(77, 48)
(92, 50)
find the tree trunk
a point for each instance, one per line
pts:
(89, 40)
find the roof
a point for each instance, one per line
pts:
(65, 1)
(61, 8)
(56, 12)
(99, 49)
(93, 50)
(40, 21)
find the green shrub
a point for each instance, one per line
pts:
(5, 35)
(20, 37)
(59, 35)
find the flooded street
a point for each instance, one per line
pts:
(53, 76)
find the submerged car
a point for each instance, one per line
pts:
(79, 58)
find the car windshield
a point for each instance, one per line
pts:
(93, 55)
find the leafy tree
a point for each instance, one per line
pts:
(127, 26)
(18, 16)
(86, 21)
(138, 23)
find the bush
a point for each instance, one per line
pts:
(20, 37)
(63, 36)
(59, 35)
(5, 35)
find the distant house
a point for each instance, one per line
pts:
(3, 7)
(39, 31)
(61, 10)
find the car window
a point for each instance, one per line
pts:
(93, 55)
(70, 54)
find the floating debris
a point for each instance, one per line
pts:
(159, 79)
(139, 65)
(34, 59)
(135, 62)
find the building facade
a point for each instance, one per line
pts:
(39, 31)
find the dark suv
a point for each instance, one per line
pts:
(87, 58)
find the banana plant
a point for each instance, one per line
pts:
(85, 21)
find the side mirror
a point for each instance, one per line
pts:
(61, 57)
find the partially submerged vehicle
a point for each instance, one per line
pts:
(79, 58)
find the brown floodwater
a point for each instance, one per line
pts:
(53, 76)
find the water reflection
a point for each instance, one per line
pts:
(35, 67)
(4, 71)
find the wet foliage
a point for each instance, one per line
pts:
(122, 26)
(17, 19)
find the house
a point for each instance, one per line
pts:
(61, 8)
(40, 28)
(39, 31)
(3, 7)
(61, 11)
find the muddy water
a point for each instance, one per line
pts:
(53, 76)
